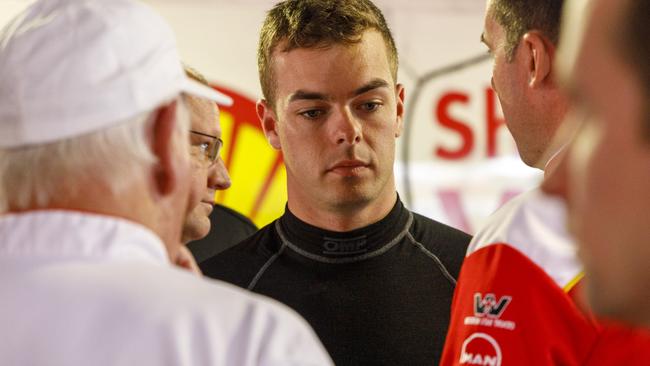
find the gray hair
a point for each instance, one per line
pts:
(31, 176)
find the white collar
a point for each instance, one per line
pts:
(73, 234)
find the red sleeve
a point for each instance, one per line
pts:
(507, 311)
(617, 344)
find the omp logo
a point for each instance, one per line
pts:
(345, 246)
(480, 349)
(489, 305)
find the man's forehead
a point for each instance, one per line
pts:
(204, 115)
(308, 72)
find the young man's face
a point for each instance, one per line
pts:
(336, 117)
(605, 178)
(205, 176)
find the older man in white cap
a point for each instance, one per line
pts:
(93, 164)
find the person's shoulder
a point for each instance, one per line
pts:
(445, 242)
(433, 231)
(262, 326)
(533, 224)
(497, 292)
(179, 293)
(239, 263)
(204, 295)
(213, 315)
(523, 221)
(135, 308)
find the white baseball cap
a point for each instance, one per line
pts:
(72, 67)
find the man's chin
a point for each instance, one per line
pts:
(351, 200)
(196, 229)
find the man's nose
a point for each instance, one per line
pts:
(347, 128)
(218, 177)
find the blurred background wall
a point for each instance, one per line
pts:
(456, 162)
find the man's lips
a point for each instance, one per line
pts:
(348, 167)
(208, 204)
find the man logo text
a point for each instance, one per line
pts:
(480, 349)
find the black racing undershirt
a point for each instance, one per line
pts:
(378, 295)
(342, 247)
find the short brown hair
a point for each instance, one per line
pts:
(318, 23)
(520, 16)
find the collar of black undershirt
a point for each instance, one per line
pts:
(350, 244)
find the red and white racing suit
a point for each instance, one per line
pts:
(516, 301)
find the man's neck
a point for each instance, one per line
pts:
(552, 162)
(345, 218)
(555, 152)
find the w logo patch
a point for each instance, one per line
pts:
(489, 306)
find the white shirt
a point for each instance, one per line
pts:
(82, 289)
(534, 224)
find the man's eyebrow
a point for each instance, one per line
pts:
(374, 84)
(203, 134)
(305, 95)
